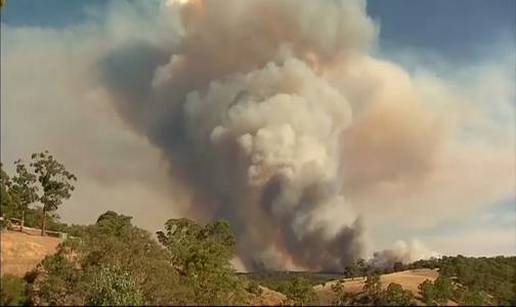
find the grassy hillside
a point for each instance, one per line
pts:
(113, 261)
(21, 252)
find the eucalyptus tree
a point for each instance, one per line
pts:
(24, 189)
(55, 180)
(5, 185)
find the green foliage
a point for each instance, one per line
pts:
(55, 180)
(254, 288)
(351, 270)
(202, 255)
(69, 274)
(395, 295)
(340, 296)
(13, 291)
(8, 205)
(113, 223)
(114, 262)
(33, 218)
(280, 279)
(113, 287)
(62, 283)
(373, 287)
(19, 192)
(372, 294)
(75, 230)
(372, 291)
(492, 277)
(443, 290)
(426, 290)
(300, 292)
(23, 188)
(436, 293)
(470, 297)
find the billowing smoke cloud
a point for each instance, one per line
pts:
(244, 111)
(402, 252)
(254, 108)
(278, 118)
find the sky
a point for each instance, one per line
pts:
(459, 55)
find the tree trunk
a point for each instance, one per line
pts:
(43, 221)
(22, 220)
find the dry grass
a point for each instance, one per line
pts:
(268, 297)
(409, 280)
(21, 252)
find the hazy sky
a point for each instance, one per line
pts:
(460, 50)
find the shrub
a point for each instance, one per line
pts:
(13, 291)
(87, 268)
(427, 292)
(438, 292)
(112, 287)
(202, 255)
(493, 276)
(254, 288)
(340, 296)
(300, 292)
(395, 295)
(67, 277)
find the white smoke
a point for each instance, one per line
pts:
(248, 112)
(277, 124)
(281, 121)
(402, 252)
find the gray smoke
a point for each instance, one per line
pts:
(254, 106)
(402, 252)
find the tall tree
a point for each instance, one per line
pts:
(24, 189)
(340, 296)
(373, 289)
(202, 255)
(352, 270)
(5, 197)
(395, 295)
(5, 180)
(55, 180)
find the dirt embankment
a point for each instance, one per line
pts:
(21, 252)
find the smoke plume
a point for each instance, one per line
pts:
(402, 252)
(272, 111)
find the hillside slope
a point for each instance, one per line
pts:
(409, 280)
(21, 252)
(268, 297)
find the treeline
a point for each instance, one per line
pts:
(278, 279)
(478, 280)
(466, 280)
